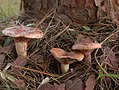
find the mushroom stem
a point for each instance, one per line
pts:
(64, 68)
(87, 58)
(21, 46)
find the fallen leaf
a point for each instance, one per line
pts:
(86, 29)
(1, 49)
(76, 84)
(20, 83)
(90, 83)
(65, 19)
(83, 39)
(37, 58)
(2, 58)
(8, 77)
(7, 41)
(48, 86)
(20, 61)
(8, 49)
(1, 39)
(68, 2)
(110, 57)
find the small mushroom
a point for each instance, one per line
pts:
(21, 35)
(87, 49)
(66, 58)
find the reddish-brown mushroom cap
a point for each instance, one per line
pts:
(21, 35)
(86, 49)
(23, 31)
(66, 57)
(86, 46)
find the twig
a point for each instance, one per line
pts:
(41, 72)
(98, 49)
(110, 36)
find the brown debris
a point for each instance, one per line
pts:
(2, 58)
(110, 59)
(90, 83)
(20, 61)
(80, 38)
(76, 84)
(48, 86)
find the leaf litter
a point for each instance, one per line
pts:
(37, 61)
(48, 86)
(91, 82)
(54, 37)
(110, 58)
(76, 84)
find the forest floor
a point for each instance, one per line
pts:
(43, 72)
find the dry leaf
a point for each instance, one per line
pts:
(2, 58)
(1, 39)
(20, 61)
(65, 19)
(48, 86)
(20, 83)
(37, 58)
(83, 39)
(90, 83)
(110, 57)
(76, 84)
(8, 77)
(71, 3)
(8, 49)
(1, 49)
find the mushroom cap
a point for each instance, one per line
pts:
(23, 31)
(66, 57)
(86, 46)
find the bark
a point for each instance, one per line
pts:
(78, 11)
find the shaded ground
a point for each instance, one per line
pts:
(42, 67)
(101, 74)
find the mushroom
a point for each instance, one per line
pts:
(21, 35)
(87, 49)
(66, 58)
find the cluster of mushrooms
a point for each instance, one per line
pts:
(80, 52)
(21, 34)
